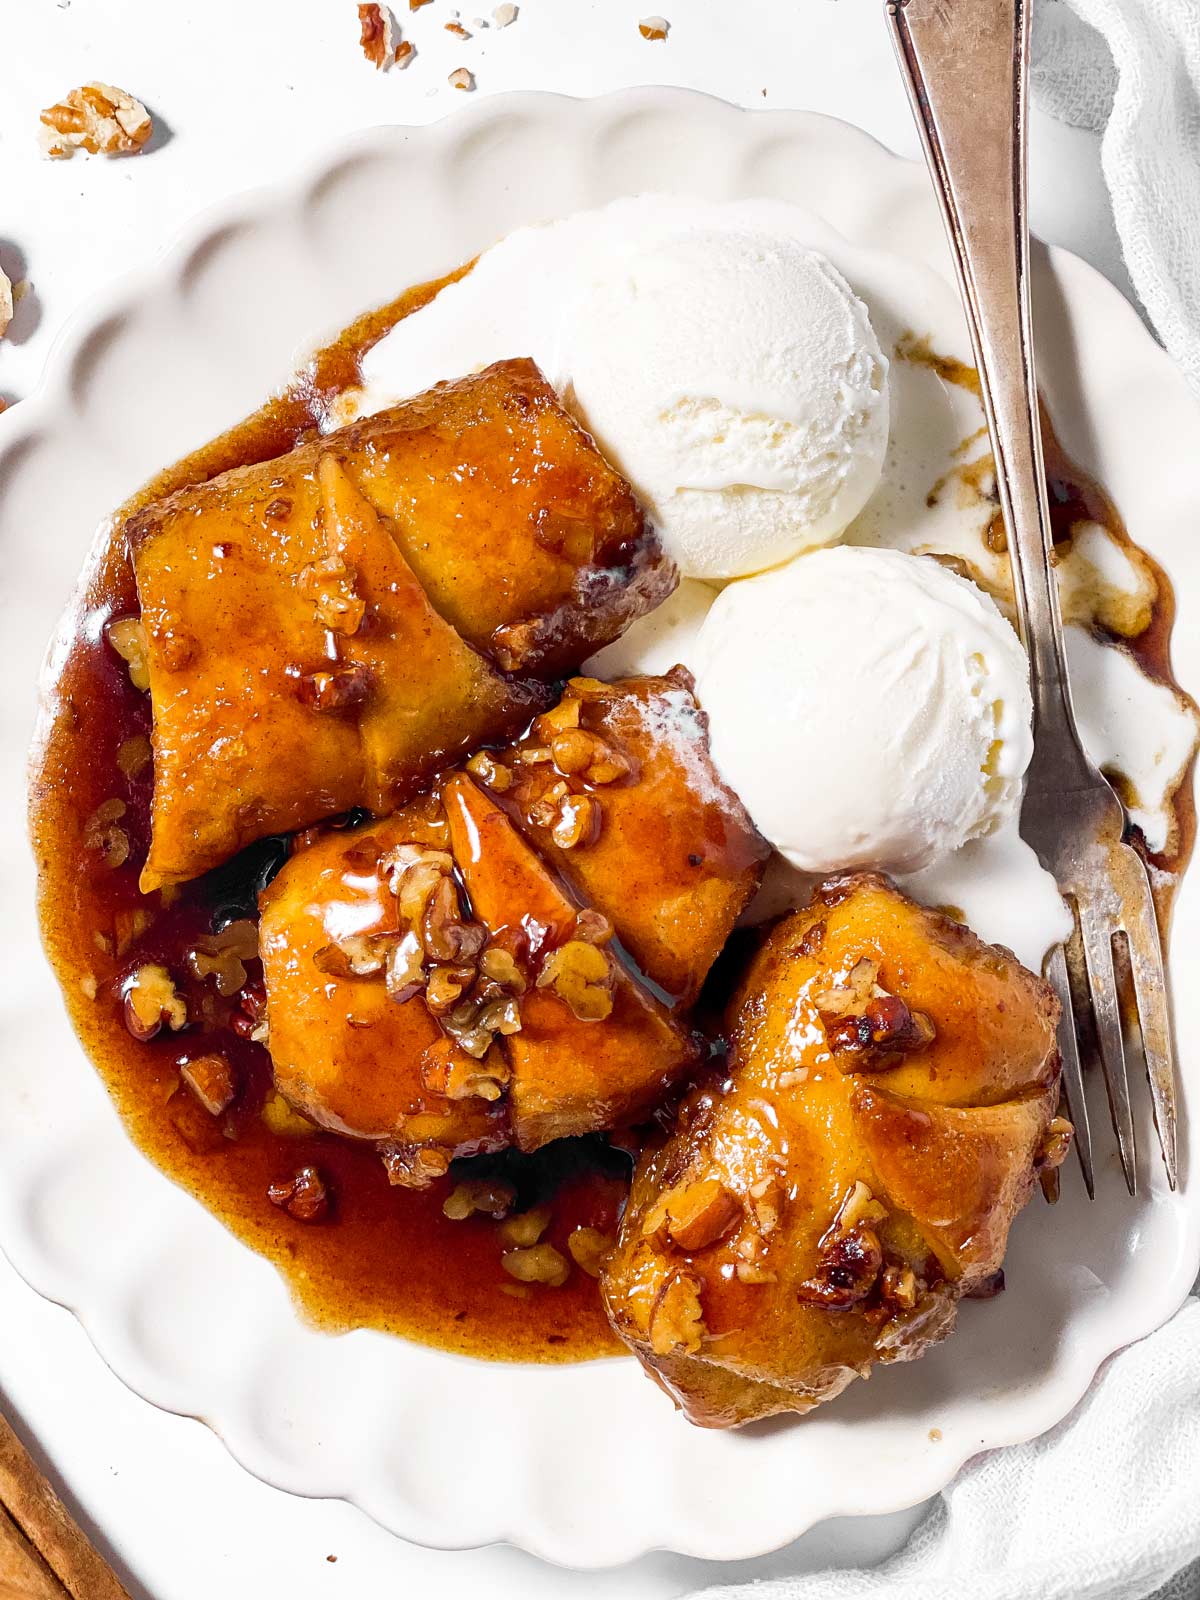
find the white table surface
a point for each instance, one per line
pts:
(245, 90)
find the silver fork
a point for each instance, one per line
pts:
(965, 63)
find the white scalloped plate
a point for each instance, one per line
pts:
(585, 1465)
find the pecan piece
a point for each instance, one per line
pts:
(338, 689)
(677, 1316)
(150, 999)
(700, 1213)
(304, 1196)
(540, 1263)
(580, 974)
(211, 1079)
(98, 118)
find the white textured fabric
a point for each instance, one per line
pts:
(1130, 69)
(1104, 1507)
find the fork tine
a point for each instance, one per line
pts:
(1097, 950)
(1072, 1073)
(1149, 982)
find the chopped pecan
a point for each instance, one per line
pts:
(489, 771)
(446, 987)
(899, 1288)
(1054, 1147)
(304, 1196)
(849, 1257)
(578, 822)
(211, 1079)
(677, 1316)
(589, 1249)
(540, 1263)
(484, 1077)
(134, 755)
(128, 638)
(864, 1021)
(223, 955)
(581, 976)
(499, 966)
(697, 1214)
(766, 1203)
(337, 689)
(282, 1119)
(527, 1227)
(413, 872)
(377, 30)
(411, 1166)
(98, 118)
(101, 833)
(490, 1197)
(356, 955)
(150, 999)
(405, 969)
(329, 586)
(446, 934)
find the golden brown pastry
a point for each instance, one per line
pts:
(892, 1091)
(329, 629)
(432, 987)
(676, 858)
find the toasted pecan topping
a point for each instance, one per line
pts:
(134, 755)
(377, 35)
(97, 118)
(337, 689)
(580, 974)
(578, 822)
(150, 1000)
(850, 1255)
(677, 1316)
(211, 1079)
(329, 585)
(864, 1021)
(700, 1213)
(527, 1227)
(589, 1248)
(446, 934)
(489, 1197)
(490, 772)
(1055, 1145)
(101, 833)
(540, 1263)
(304, 1196)
(128, 638)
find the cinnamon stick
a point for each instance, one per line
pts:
(44, 1554)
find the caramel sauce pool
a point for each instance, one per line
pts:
(385, 1258)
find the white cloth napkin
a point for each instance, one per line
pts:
(1104, 1507)
(1107, 1505)
(1130, 69)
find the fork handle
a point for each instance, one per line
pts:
(965, 64)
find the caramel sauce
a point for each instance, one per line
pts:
(1076, 497)
(384, 1258)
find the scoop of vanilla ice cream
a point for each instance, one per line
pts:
(735, 378)
(870, 708)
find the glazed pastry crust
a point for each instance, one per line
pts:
(827, 1206)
